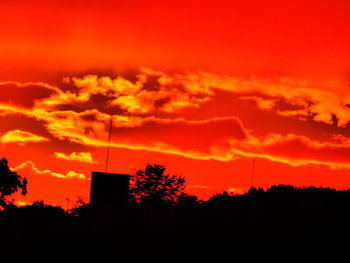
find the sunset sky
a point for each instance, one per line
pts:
(201, 87)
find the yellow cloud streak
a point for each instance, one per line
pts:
(21, 137)
(79, 157)
(32, 168)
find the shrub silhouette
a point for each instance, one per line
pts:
(10, 182)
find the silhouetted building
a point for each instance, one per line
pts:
(109, 190)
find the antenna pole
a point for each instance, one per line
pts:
(252, 179)
(109, 142)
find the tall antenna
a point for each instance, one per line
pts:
(252, 178)
(109, 142)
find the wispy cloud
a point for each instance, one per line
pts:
(21, 137)
(84, 157)
(29, 168)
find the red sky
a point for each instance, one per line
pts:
(202, 87)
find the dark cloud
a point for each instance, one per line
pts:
(196, 136)
(24, 95)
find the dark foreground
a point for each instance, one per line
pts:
(281, 212)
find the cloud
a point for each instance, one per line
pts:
(196, 139)
(79, 157)
(151, 105)
(28, 168)
(262, 103)
(199, 187)
(301, 114)
(296, 150)
(92, 84)
(25, 95)
(21, 137)
(301, 149)
(154, 92)
(221, 139)
(318, 100)
(151, 92)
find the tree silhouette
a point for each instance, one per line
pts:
(221, 199)
(10, 182)
(152, 184)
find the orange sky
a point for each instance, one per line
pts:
(202, 87)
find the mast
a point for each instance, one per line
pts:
(252, 178)
(109, 142)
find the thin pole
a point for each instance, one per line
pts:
(109, 142)
(252, 179)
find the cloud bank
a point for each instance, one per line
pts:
(147, 114)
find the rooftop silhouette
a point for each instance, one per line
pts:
(109, 190)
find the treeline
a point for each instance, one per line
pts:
(160, 210)
(281, 211)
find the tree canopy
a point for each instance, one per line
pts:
(154, 184)
(10, 182)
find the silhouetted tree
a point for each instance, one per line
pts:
(253, 191)
(282, 189)
(10, 182)
(185, 200)
(221, 198)
(152, 184)
(80, 208)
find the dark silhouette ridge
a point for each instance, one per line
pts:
(281, 212)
